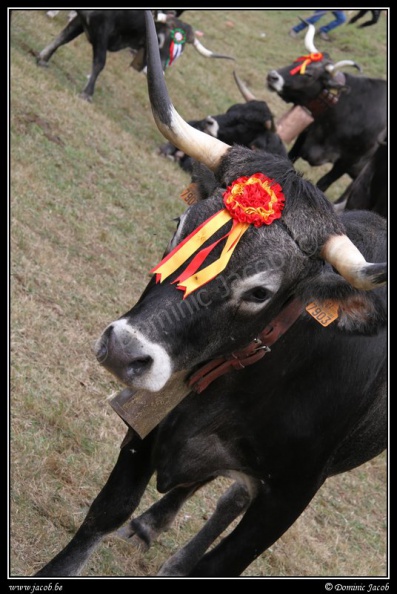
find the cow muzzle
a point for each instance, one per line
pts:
(275, 81)
(137, 362)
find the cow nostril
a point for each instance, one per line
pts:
(101, 347)
(139, 365)
(272, 76)
(101, 352)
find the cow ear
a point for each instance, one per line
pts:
(270, 125)
(191, 194)
(362, 312)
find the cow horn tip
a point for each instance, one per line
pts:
(223, 57)
(374, 275)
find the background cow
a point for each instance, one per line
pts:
(248, 124)
(280, 427)
(114, 30)
(350, 112)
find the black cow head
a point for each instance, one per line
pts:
(173, 35)
(308, 75)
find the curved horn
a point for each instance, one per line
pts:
(198, 145)
(246, 93)
(309, 38)
(343, 255)
(332, 68)
(207, 53)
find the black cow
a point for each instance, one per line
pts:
(114, 30)
(370, 189)
(313, 407)
(375, 15)
(248, 124)
(349, 112)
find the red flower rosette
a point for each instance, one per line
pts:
(257, 200)
(313, 57)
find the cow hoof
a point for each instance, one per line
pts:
(41, 62)
(86, 97)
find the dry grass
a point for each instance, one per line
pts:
(86, 189)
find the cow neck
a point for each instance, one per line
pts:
(327, 98)
(256, 349)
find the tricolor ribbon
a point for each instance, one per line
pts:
(314, 57)
(256, 200)
(178, 38)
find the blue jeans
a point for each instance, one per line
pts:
(339, 15)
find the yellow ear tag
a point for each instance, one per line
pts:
(191, 194)
(324, 313)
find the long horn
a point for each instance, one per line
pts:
(246, 93)
(343, 255)
(207, 53)
(342, 64)
(309, 38)
(198, 145)
(332, 68)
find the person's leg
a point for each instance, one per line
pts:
(318, 14)
(340, 18)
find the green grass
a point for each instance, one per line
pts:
(91, 211)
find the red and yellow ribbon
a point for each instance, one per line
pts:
(314, 57)
(256, 200)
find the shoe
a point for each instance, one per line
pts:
(292, 33)
(325, 36)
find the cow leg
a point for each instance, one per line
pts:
(329, 178)
(111, 508)
(271, 513)
(143, 530)
(99, 49)
(357, 16)
(228, 508)
(294, 152)
(372, 21)
(72, 30)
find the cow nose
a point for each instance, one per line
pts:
(273, 76)
(122, 355)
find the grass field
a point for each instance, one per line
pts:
(91, 211)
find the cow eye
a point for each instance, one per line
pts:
(257, 295)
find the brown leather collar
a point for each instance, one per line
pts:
(251, 353)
